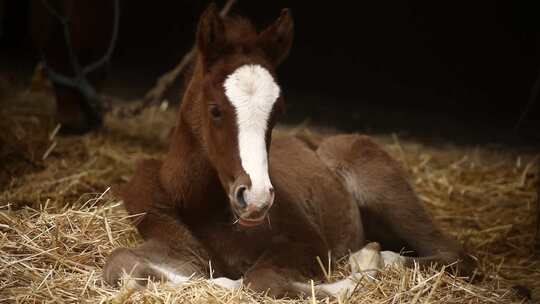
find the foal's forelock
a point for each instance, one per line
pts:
(252, 91)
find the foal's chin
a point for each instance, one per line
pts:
(250, 221)
(251, 214)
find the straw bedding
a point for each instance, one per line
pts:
(59, 218)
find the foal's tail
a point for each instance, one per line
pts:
(391, 212)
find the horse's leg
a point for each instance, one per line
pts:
(148, 261)
(391, 212)
(283, 271)
(170, 251)
(278, 269)
(364, 265)
(151, 261)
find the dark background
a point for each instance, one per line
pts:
(456, 71)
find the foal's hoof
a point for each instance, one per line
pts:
(227, 283)
(392, 258)
(367, 260)
(113, 269)
(124, 261)
(365, 263)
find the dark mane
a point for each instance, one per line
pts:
(239, 30)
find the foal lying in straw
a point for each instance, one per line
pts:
(262, 209)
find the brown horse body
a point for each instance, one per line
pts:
(204, 203)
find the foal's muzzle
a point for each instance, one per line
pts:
(251, 206)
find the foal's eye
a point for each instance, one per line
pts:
(215, 112)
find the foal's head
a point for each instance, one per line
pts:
(239, 104)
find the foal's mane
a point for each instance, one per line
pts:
(239, 30)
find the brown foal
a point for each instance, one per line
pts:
(261, 209)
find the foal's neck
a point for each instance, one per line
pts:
(186, 174)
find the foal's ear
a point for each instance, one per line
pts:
(276, 39)
(210, 34)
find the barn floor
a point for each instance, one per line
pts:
(59, 219)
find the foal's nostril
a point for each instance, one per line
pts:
(240, 200)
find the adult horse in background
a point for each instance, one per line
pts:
(263, 208)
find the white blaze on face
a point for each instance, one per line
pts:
(252, 91)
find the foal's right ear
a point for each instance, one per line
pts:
(276, 40)
(210, 34)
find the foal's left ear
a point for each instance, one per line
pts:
(211, 34)
(276, 39)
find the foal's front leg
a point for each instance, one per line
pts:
(168, 242)
(147, 261)
(151, 261)
(170, 251)
(284, 271)
(364, 265)
(280, 267)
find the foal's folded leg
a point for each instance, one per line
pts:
(170, 251)
(391, 212)
(365, 265)
(279, 272)
(152, 261)
(148, 261)
(280, 267)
